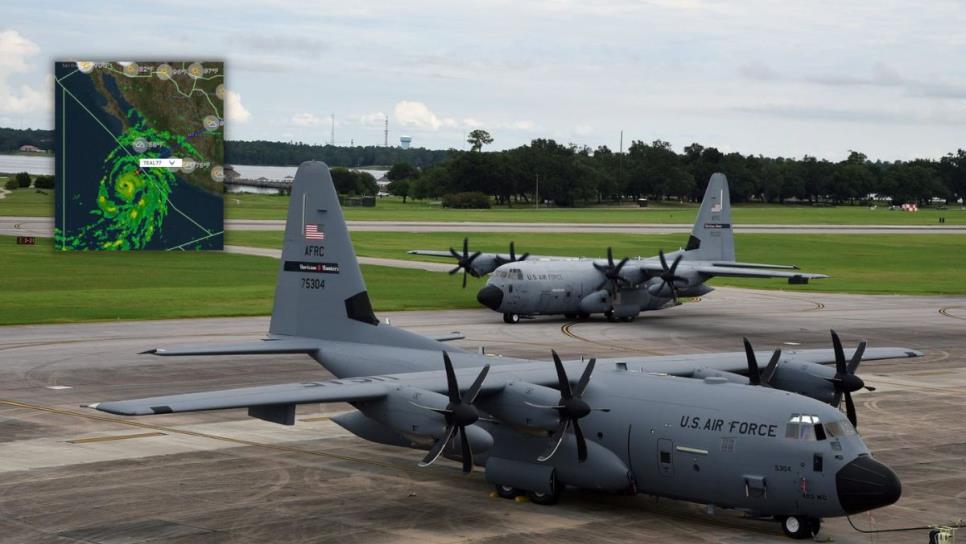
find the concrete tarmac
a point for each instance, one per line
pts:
(44, 227)
(70, 474)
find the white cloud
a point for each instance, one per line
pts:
(583, 130)
(306, 119)
(234, 109)
(416, 115)
(375, 119)
(15, 50)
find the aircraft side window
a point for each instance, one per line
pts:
(819, 432)
(791, 430)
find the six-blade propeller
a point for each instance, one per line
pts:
(571, 408)
(501, 260)
(464, 261)
(668, 277)
(611, 272)
(459, 414)
(755, 376)
(845, 381)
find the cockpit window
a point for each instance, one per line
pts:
(837, 429)
(515, 274)
(805, 427)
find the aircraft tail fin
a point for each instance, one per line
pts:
(320, 291)
(712, 238)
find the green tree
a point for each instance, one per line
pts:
(402, 170)
(400, 187)
(44, 182)
(478, 138)
(23, 179)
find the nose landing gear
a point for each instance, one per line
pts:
(800, 527)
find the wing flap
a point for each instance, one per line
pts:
(247, 397)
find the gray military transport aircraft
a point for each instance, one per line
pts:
(709, 428)
(531, 285)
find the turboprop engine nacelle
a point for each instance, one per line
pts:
(807, 379)
(514, 405)
(596, 302)
(404, 410)
(702, 373)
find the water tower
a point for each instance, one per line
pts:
(405, 141)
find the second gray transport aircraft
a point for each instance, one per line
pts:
(531, 285)
(711, 428)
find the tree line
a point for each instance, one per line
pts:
(567, 175)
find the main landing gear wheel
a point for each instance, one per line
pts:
(800, 527)
(507, 491)
(511, 318)
(583, 315)
(570, 316)
(627, 319)
(609, 314)
(543, 498)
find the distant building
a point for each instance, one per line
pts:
(230, 173)
(405, 141)
(32, 149)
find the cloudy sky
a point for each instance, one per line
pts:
(885, 77)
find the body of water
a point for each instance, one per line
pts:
(41, 165)
(44, 166)
(280, 173)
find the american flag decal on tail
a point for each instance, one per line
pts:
(313, 232)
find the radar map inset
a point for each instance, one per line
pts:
(140, 148)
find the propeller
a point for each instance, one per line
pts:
(755, 376)
(571, 409)
(459, 414)
(668, 276)
(611, 272)
(500, 260)
(845, 381)
(464, 261)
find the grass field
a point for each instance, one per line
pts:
(27, 202)
(40, 285)
(877, 263)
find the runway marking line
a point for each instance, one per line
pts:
(93, 439)
(945, 311)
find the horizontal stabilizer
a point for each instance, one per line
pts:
(257, 347)
(247, 397)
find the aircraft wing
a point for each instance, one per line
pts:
(685, 365)
(252, 347)
(247, 397)
(432, 253)
(753, 272)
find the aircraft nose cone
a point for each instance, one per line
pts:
(490, 296)
(865, 484)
